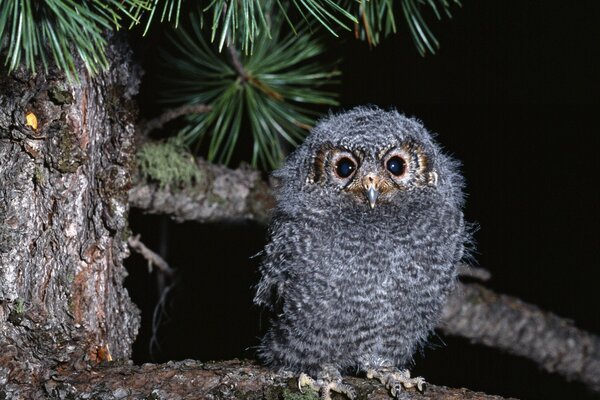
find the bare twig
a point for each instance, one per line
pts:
(236, 61)
(153, 258)
(157, 317)
(171, 114)
(234, 55)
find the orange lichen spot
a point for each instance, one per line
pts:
(103, 353)
(31, 120)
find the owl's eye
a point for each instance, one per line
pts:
(345, 167)
(396, 165)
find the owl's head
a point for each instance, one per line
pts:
(370, 158)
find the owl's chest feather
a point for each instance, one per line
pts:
(347, 261)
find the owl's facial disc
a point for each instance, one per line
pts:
(372, 177)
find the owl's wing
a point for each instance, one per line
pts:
(276, 264)
(270, 289)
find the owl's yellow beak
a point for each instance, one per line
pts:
(371, 185)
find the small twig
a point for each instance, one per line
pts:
(246, 77)
(468, 271)
(157, 317)
(153, 258)
(171, 114)
(237, 63)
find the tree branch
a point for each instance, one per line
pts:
(222, 195)
(522, 329)
(221, 380)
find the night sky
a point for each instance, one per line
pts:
(511, 94)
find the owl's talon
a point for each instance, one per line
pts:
(395, 380)
(421, 384)
(305, 380)
(325, 386)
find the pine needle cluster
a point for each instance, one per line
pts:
(261, 70)
(267, 91)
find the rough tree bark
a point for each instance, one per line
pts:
(64, 178)
(223, 195)
(227, 380)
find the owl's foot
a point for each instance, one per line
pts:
(395, 379)
(329, 380)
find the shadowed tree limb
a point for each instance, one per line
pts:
(522, 329)
(472, 311)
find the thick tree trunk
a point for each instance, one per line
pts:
(63, 220)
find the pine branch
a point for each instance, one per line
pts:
(267, 93)
(63, 32)
(244, 22)
(237, 64)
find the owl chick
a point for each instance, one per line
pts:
(363, 244)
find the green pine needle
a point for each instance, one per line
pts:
(35, 32)
(169, 10)
(40, 31)
(377, 20)
(234, 21)
(424, 39)
(267, 91)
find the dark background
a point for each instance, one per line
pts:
(513, 94)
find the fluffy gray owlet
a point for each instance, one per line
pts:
(363, 242)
